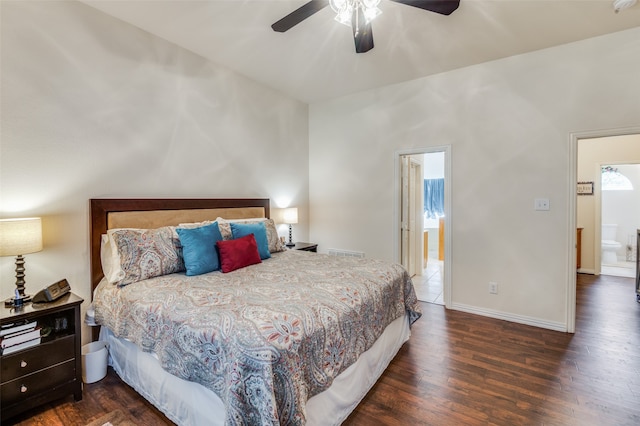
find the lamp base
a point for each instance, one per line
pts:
(290, 245)
(10, 302)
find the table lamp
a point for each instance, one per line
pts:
(290, 216)
(17, 238)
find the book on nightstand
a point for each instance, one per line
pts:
(18, 347)
(19, 336)
(17, 327)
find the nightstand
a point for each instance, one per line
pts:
(46, 371)
(306, 247)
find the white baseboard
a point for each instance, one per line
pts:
(586, 271)
(520, 319)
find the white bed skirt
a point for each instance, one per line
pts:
(190, 404)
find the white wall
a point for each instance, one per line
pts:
(509, 124)
(93, 107)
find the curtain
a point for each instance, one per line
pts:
(433, 198)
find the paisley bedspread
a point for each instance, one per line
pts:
(267, 337)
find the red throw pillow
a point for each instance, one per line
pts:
(238, 253)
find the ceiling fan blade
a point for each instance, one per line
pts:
(443, 7)
(299, 15)
(362, 33)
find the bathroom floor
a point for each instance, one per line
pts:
(428, 286)
(619, 269)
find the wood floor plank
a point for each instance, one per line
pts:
(463, 369)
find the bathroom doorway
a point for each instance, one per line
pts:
(591, 150)
(620, 218)
(604, 205)
(423, 202)
(431, 289)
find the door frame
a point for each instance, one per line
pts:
(412, 178)
(397, 161)
(572, 197)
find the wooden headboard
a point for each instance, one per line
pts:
(109, 213)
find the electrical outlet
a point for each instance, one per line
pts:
(541, 204)
(493, 288)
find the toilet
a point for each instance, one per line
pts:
(609, 244)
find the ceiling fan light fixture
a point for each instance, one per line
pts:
(344, 9)
(358, 14)
(344, 17)
(371, 13)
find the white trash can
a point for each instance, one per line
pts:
(94, 361)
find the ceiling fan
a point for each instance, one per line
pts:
(358, 14)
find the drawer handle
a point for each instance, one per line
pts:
(23, 363)
(23, 388)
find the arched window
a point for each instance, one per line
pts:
(613, 180)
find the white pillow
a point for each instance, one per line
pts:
(110, 260)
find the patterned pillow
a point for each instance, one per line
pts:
(194, 224)
(238, 253)
(275, 245)
(138, 254)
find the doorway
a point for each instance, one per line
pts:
(589, 152)
(620, 218)
(423, 231)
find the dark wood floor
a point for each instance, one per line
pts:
(464, 369)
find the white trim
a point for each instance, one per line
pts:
(446, 280)
(520, 319)
(572, 194)
(574, 137)
(448, 212)
(597, 221)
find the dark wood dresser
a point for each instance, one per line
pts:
(49, 370)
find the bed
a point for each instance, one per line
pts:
(292, 338)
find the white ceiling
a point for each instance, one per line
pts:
(315, 60)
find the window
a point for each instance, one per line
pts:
(433, 198)
(613, 180)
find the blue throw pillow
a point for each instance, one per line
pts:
(259, 231)
(199, 248)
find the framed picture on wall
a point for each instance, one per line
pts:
(585, 188)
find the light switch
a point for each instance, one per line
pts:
(541, 204)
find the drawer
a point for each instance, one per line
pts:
(36, 358)
(33, 384)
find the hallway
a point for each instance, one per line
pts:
(428, 286)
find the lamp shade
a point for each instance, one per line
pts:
(20, 236)
(290, 215)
